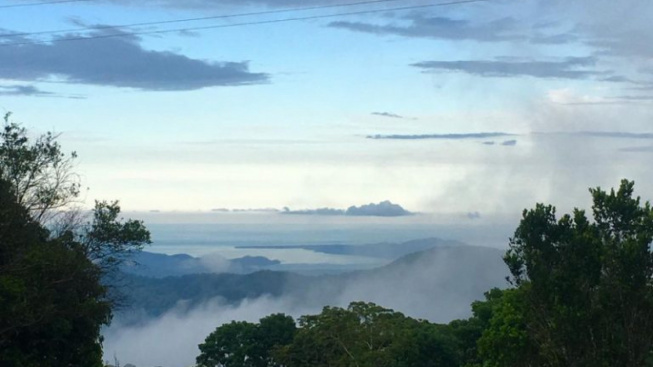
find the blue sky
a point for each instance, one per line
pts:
(275, 115)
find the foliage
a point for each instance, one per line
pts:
(51, 300)
(108, 240)
(362, 335)
(505, 340)
(585, 288)
(39, 173)
(467, 332)
(244, 344)
(52, 297)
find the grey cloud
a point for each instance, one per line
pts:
(382, 209)
(319, 211)
(32, 91)
(483, 135)
(643, 87)
(636, 98)
(473, 215)
(118, 62)
(617, 100)
(510, 143)
(617, 79)
(388, 114)
(569, 68)
(615, 134)
(555, 39)
(604, 134)
(222, 3)
(624, 41)
(615, 28)
(503, 29)
(22, 90)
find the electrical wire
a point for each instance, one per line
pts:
(238, 15)
(40, 3)
(273, 21)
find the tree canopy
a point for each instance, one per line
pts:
(245, 344)
(52, 303)
(363, 335)
(53, 298)
(584, 293)
(39, 173)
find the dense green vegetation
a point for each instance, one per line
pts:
(582, 295)
(53, 299)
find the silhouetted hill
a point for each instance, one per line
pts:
(437, 284)
(149, 264)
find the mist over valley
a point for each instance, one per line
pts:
(189, 296)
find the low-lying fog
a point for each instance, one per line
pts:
(437, 285)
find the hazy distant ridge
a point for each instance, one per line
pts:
(382, 209)
(437, 284)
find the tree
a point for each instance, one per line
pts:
(244, 344)
(39, 173)
(108, 240)
(367, 335)
(475, 341)
(585, 289)
(504, 338)
(53, 292)
(41, 179)
(52, 303)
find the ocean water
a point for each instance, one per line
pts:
(224, 233)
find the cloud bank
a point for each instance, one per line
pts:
(117, 62)
(617, 134)
(382, 209)
(439, 136)
(23, 90)
(388, 114)
(443, 28)
(568, 68)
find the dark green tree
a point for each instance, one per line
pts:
(467, 332)
(245, 344)
(367, 335)
(51, 301)
(53, 265)
(505, 340)
(584, 288)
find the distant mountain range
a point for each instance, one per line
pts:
(149, 264)
(157, 265)
(436, 284)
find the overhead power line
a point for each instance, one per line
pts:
(213, 17)
(272, 21)
(40, 3)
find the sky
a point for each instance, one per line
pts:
(479, 107)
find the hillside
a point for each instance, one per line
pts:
(436, 284)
